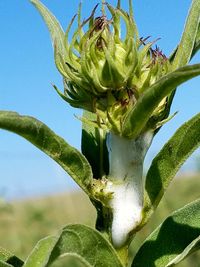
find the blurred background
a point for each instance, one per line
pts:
(35, 193)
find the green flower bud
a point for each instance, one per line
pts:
(105, 73)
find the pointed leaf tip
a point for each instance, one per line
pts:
(185, 48)
(55, 29)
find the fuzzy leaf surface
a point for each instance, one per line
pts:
(197, 43)
(4, 264)
(168, 161)
(186, 46)
(36, 132)
(9, 259)
(138, 117)
(192, 247)
(56, 31)
(93, 146)
(80, 241)
(171, 238)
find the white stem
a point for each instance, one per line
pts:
(126, 171)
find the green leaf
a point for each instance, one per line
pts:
(191, 248)
(171, 238)
(82, 242)
(4, 264)
(36, 132)
(9, 259)
(56, 31)
(187, 42)
(138, 117)
(196, 47)
(168, 161)
(93, 145)
(197, 43)
(40, 256)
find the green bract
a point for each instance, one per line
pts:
(104, 72)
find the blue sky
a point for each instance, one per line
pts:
(27, 71)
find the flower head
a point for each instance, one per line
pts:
(106, 73)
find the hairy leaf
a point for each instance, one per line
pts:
(56, 31)
(93, 145)
(4, 264)
(187, 42)
(40, 256)
(82, 242)
(171, 238)
(197, 43)
(189, 46)
(9, 259)
(36, 132)
(137, 119)
(191, 248)
(168, 161)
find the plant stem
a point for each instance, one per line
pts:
(123, 255)
(126, 157)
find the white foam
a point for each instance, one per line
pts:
(127, 212)
(126, 174)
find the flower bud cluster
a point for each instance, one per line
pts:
(105, 73)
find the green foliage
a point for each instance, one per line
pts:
(79, 241)
(54, 27)
(93, 145)
(136, 109)
(139, 116)
(188, 41)
(59, 210)
(44, 216)
(36, 132)
(8, 259)
(168, 161)
(187, 48)
(4, 264)
(191, 248)
(174, 237)
(197, 43)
